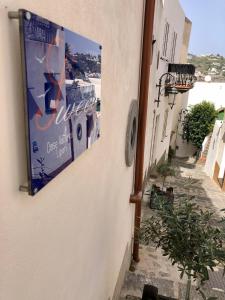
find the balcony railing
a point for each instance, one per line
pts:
(183, 78)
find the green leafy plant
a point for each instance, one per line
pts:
(198, 123)
(164, 171)
(190, 237)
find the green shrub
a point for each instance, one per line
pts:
(192, 239)
(199, 122)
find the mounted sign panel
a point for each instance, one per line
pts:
(62, 85)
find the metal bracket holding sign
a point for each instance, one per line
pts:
(62, 96)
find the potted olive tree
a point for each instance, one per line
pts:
(192, 239)
(156, 194)
(165, 170)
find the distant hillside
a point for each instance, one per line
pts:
(213, 65)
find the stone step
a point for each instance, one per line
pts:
(129, 297)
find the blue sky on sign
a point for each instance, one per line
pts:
(208, 25)
(81, 44)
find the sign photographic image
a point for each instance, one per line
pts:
(62, 89)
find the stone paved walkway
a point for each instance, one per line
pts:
(153, 267)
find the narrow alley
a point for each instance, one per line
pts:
(156, 269)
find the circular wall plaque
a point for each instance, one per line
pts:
(131, 134)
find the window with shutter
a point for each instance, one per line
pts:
(165, 39)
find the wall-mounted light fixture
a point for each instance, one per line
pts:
(179, 79)
(172, 102)
(166, 88)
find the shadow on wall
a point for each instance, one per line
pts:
(152, 168)
(184, 149)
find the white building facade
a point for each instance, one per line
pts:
(172, 38)
(70, 240)
(215, 160)
(210, 91)
(73, 240)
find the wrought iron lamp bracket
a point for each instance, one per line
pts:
(169, 82)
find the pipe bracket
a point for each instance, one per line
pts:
(135, 198)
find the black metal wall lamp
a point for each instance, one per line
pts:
(167, 87)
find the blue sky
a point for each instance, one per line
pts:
(81, 44)
(208, 25)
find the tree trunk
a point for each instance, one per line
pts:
(188, 290)
(163, 183)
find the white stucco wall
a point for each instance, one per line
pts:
(213, 151)
(210, 91)
(69, 240)
(151, 114)
(220, 155)
(184, 148)
(222, 164)
(163, 13)
(181, 99)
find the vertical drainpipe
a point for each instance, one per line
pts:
(143, 106)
